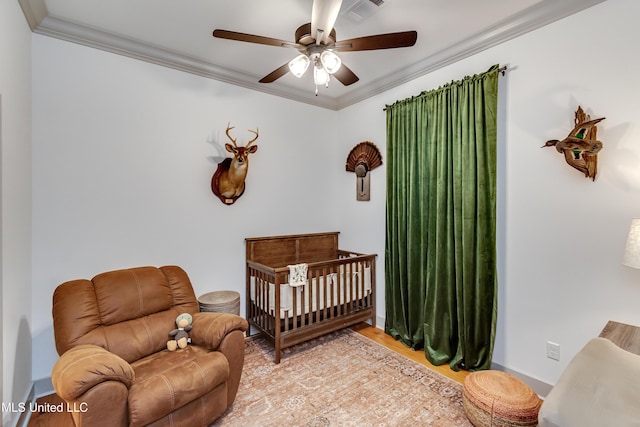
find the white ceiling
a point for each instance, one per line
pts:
(178, 34)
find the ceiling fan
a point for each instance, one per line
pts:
(316, 41)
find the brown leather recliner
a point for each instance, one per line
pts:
(114, 369)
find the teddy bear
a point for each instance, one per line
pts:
(181, 334)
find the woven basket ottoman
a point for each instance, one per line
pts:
(220, 302)
(498, 399)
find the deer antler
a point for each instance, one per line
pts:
(254, 132)
(229, 127)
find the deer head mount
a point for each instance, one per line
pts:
(228, 181)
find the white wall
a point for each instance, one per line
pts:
(561, 236)
(122, 169)
(362, 224)
(15, 205)
(123, 160)
(566, 234)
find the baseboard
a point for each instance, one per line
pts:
(43, 387)
(541, 388)
(39, 388)
(25, 413)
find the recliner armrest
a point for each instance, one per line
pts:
(209, 328)
(84, 366)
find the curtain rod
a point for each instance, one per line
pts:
(502, 70)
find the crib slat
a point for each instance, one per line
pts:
(350, 288)
(314, 293)
(264, 304)
(348, 283)
(311, 293)
(259, 303)
(285, 319)
(340, 278)
(336, 290)
(358, 286)
(294, 304)
(354, 285)
(255, 310)
(322, 292)
(302, 295)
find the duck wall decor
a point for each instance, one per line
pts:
(580, 148)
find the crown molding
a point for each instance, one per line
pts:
(34, 11)
(91, 37)
(534, 17)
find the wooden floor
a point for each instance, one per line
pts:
(52, 419)
(380, 337)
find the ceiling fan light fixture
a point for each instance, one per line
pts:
(320, 76)
(299, 65)
(330, 61)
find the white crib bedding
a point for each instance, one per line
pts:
(335, 292)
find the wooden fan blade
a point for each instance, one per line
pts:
(380, 41)
(345, 76)
(323, 16)
(275, 74)
(251, 38)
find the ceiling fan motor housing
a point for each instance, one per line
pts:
(304, 36)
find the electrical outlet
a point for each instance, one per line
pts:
(553, 350)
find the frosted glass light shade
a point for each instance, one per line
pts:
(320, 76)
(632, 250)
(299, 65)
(330, 61)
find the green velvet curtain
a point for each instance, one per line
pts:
(440, 254)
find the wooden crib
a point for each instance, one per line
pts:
(339, 290)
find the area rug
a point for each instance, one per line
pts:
(341, 379)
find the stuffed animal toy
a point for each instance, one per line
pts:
(180, 335)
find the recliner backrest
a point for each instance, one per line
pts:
(128, 312)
